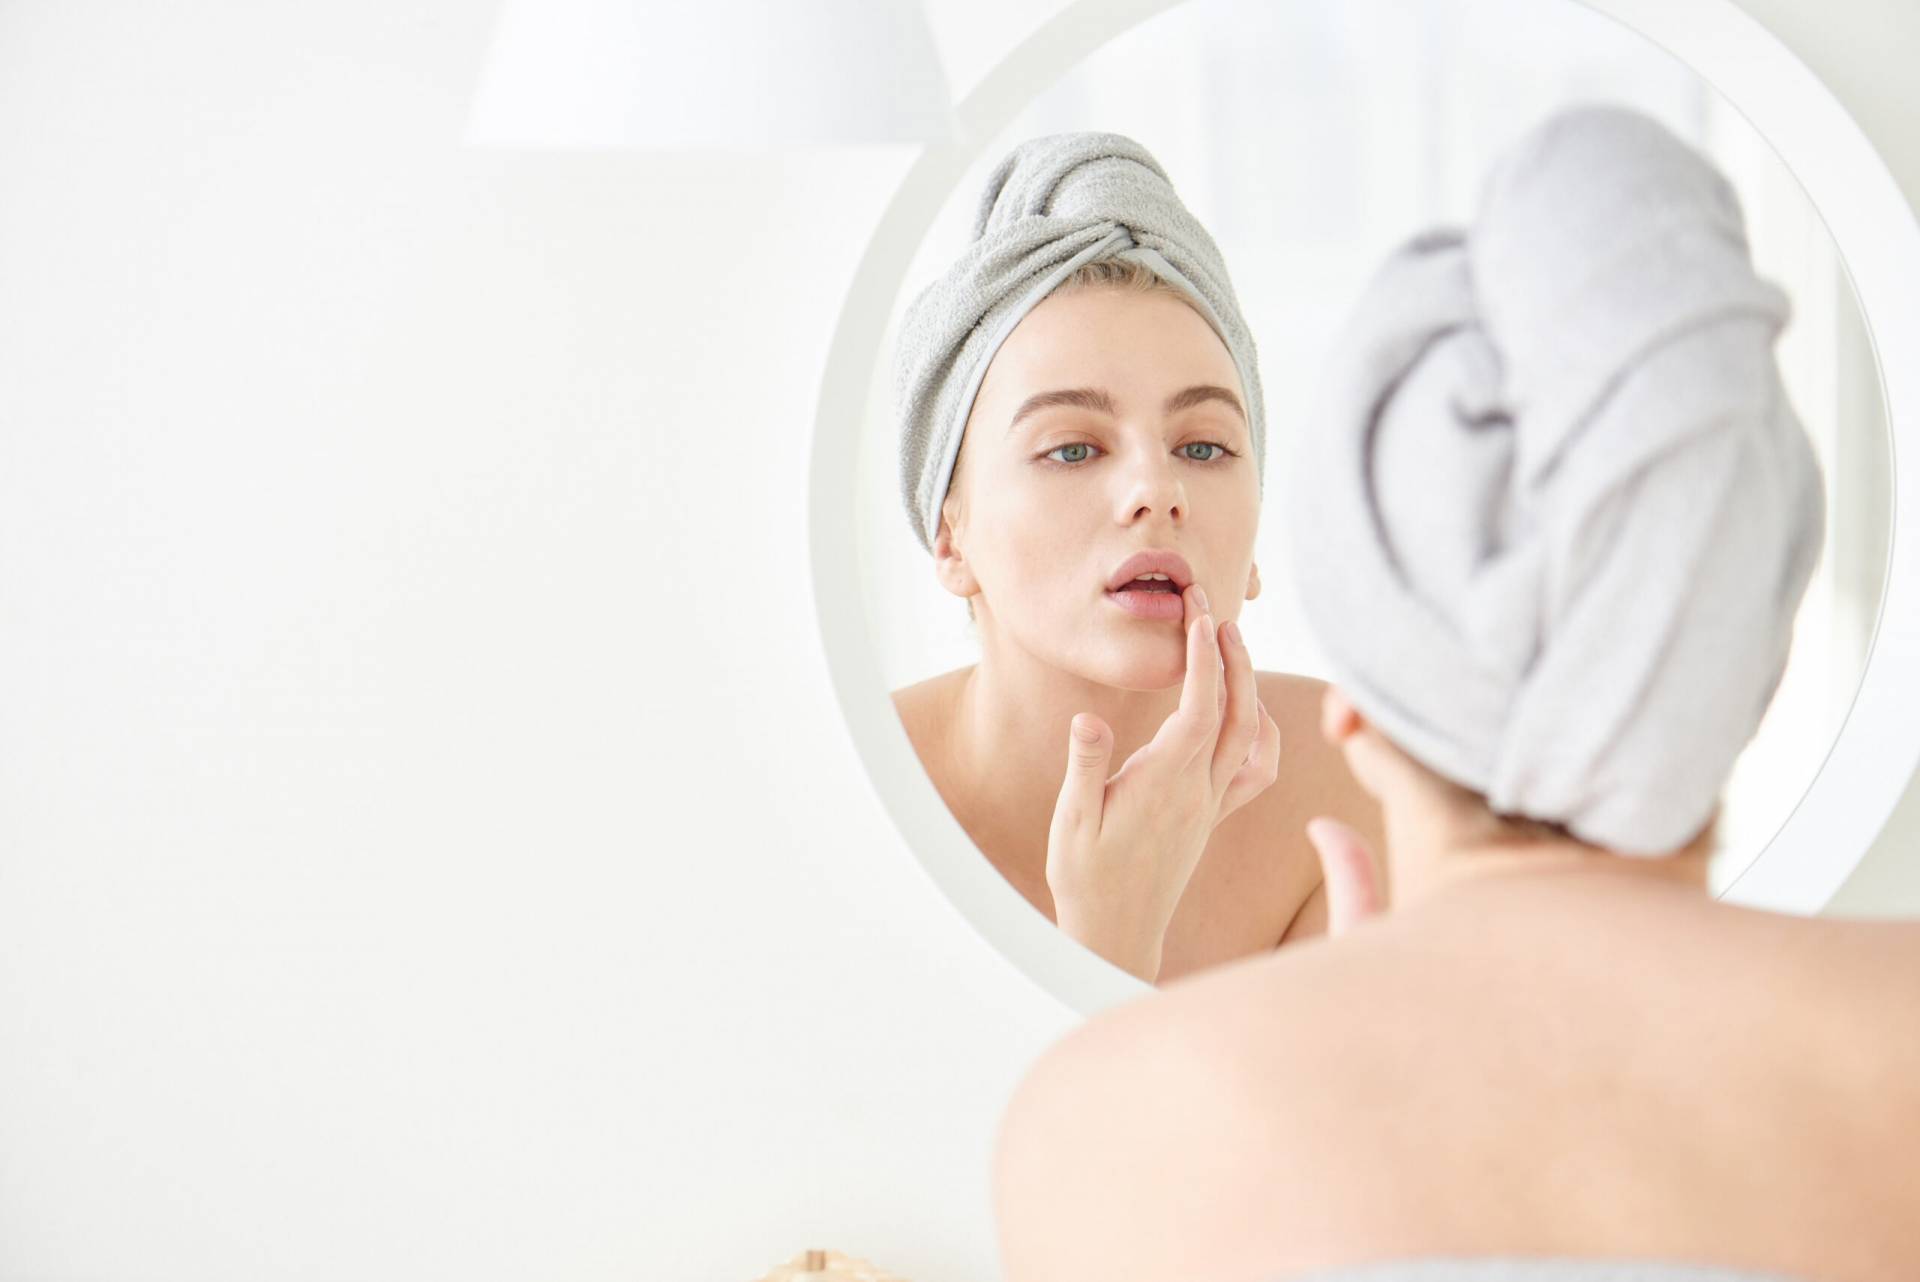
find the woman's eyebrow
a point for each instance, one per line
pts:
(1095, 398)
(1199, 395)
(1086, 398)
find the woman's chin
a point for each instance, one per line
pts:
(1144, 666)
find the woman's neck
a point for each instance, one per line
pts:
(1006, 734)
(1435, 849)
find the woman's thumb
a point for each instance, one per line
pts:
(1353, 893)
(1083, 792)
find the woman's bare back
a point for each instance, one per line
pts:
(1595, 1068)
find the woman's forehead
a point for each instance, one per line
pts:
(1129, 345)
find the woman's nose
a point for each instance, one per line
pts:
(1151, 487)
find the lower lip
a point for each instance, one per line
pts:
(1150, 605)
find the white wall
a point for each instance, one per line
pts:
(428, 846)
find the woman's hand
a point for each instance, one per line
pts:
(1121, 851)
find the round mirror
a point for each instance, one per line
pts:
(1310, 140)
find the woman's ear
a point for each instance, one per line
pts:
(1379, 765)
(949, 563)
(1339, 720)
(1370, 758)
(1253, 581)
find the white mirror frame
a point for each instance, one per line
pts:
(1872, 759)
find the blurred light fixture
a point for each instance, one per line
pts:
(701, 73)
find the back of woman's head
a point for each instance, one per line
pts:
(1556, 515)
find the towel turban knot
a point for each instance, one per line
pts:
(1555, 515)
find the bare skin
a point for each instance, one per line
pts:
(1110, 424)
(1542, 1048)
(1257, 886)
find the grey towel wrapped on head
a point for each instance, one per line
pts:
(1054, 204)
(1555, 515)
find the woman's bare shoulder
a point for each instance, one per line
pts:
(931, 690)
(1129, 1109)
(1313, 773)
(1204, 1084)
(1293, 701)
(1293, 687)
(927, 705)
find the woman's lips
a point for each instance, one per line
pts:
(1142, 604)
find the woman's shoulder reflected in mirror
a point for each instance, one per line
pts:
(1317, 782)
(1270, 833)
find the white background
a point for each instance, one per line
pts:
(428, 844)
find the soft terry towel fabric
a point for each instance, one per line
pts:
(1053, 204)
(1555, 515)
(1535, 1269)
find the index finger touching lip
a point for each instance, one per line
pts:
(1199, 693)
(1195, 599)
(1240, 693)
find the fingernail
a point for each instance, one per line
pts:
(1199, 599)
(1231, 631)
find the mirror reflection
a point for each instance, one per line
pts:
(1123, 327)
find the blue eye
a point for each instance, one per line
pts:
(1081, 446)
(1218, 450)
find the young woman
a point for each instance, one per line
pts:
(1095, 499)
(1567, 518)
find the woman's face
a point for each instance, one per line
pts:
(1110, 423)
